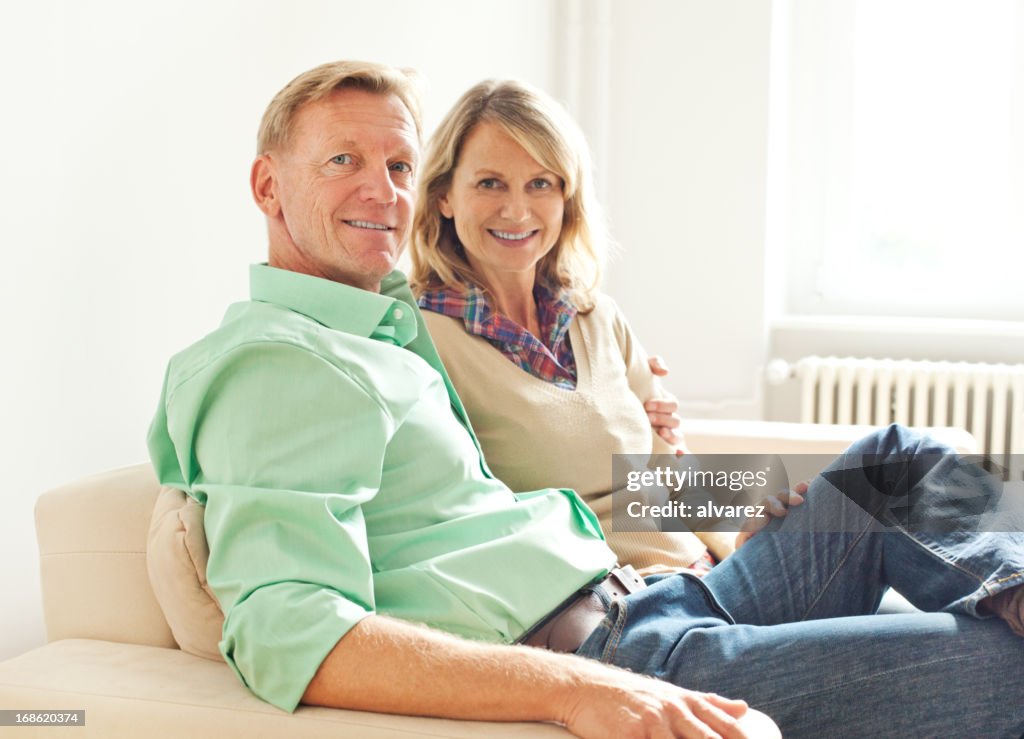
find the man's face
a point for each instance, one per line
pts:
(339, 194)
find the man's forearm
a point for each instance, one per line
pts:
(391, 666)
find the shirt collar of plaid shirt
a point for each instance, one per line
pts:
(549, 357)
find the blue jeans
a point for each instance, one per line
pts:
(788, 623)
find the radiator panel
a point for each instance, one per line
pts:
(986, 399)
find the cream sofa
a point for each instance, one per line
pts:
(111, 652)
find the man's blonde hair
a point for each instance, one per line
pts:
(319, 82)
(546, 131)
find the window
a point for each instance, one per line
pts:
(903, 182)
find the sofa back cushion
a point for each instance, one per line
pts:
(92, 559)
(178, 554)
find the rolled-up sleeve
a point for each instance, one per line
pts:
(283, 447)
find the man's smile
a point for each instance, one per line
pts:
(370, 225)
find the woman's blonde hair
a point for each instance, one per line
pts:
(546, 131)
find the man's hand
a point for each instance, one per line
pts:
(778, 506)
(634, 706)
(664, 412)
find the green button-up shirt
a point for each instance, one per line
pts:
(341, 478)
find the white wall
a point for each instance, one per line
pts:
(685, 187)
(126, 223)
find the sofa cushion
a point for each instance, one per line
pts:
(127, 690)
(176, 556)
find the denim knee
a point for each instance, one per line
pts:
(897, 440)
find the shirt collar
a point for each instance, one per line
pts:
(555, 312)
(384, 316)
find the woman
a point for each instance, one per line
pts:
(507, 251)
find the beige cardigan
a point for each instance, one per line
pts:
(536, 435)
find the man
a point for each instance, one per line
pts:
(352, 520)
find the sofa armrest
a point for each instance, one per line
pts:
(92, 559)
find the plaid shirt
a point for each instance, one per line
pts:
(550, 360)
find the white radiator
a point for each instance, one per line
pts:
(986, 399)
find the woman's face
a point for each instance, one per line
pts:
(507, 208)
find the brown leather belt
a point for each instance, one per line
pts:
(567, 627)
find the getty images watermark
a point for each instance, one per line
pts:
(928, 491)
(681, 477)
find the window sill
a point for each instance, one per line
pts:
(794, 336)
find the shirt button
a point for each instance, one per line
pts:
(397, 313)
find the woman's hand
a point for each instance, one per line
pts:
(778, 506)
(664, 412)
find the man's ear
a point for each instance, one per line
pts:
(444, 206)
(263, 182)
